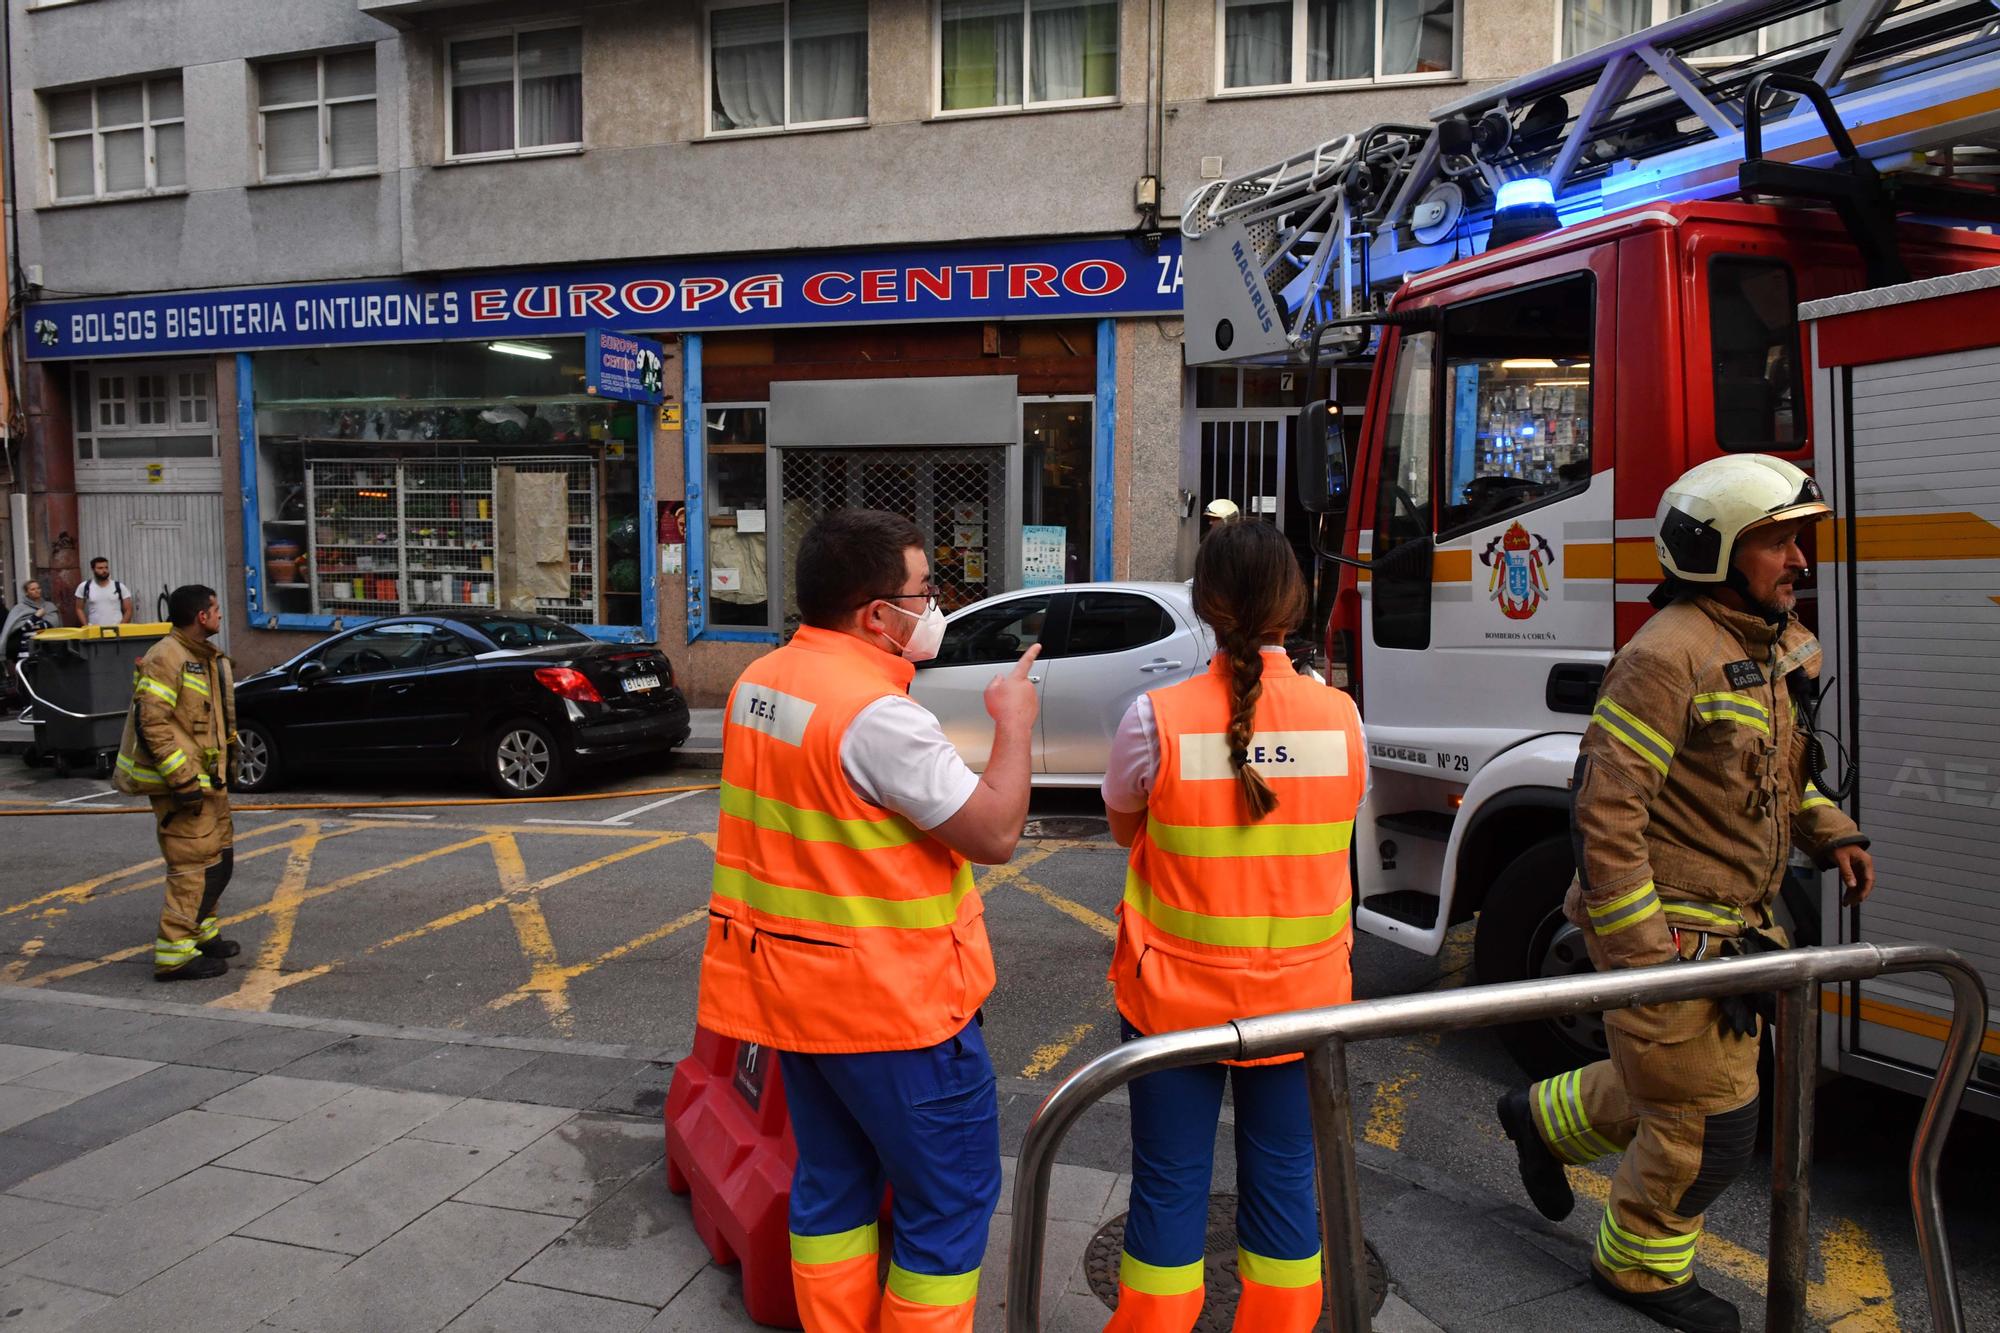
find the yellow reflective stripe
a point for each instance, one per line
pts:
(208, 929)
(195, 683)
(1251, 840)
(774, 816)
(1548, 1118)
(144, 684)
(832, 1249)
(1593, 1144)
(173, 762)
(1705, 914)
(1624, 911)
(1620, 1251)
(1153, 1280)
(138, 774)
(1277, 1272)
(1233, 932)
(1813, 800)
(172, 953)
(1650, 745)
(1727, 707)
(844, 909)
(926, 1289)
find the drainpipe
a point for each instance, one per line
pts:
(1148, 198)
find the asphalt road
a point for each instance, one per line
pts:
(583, 919)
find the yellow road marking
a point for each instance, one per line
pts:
(1388, 1113)
(1854, 1296)
(562, 976)
(83, 889)
(1011, 874)
(531, 927)
(29, 949)
(263, 909)
(1049, 1056)
(260, 982)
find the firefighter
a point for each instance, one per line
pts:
(1691, 788)
(1236, 792)
(1220, 512)
(180, 748)
(844, 932)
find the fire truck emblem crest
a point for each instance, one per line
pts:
(1520, 562)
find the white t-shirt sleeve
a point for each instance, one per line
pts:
(896, 756)
(1134, 761)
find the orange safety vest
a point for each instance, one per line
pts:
(834, 925)
(1225, 917)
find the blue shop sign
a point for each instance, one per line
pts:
(1053, 279)
(617, 365)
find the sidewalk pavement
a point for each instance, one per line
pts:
(165, 1167)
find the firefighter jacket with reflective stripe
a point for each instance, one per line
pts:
(834, 925)
(181, 729)
(1692, 783)
(1224, 916)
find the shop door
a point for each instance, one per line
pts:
(959, 498)
(158, 540)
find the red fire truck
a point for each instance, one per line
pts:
(1757, 227)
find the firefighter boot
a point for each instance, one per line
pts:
(1690, 1307)
(1542, 1173)
(199, 968)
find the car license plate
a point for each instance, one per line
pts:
(640, 684)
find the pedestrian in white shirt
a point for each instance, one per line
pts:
(101, 599)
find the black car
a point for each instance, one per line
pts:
(520, 699)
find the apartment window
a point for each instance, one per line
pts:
(144, 413)
(1298, 43)
(1013, 53)
(518, 92)
(316, 115)
(116, 140)
(780, 66)
(1592, 23)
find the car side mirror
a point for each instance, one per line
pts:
(309, 672)
(1322, 453)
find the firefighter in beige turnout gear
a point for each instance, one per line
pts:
(1692, 786)
(179, 748)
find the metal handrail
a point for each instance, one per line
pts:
(1322, 1035)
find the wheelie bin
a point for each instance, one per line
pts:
(79, 683)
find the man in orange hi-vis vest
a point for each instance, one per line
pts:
(844, 932)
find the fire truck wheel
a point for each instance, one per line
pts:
(1522, 933)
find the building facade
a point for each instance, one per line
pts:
(312, 287)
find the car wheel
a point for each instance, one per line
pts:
(1523, 933)
(257, 764)
(524, 760)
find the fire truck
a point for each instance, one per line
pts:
(1761, 226)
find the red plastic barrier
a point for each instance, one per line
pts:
(729, 1147)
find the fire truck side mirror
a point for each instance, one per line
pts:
(1322, 452)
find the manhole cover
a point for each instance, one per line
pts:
(1065, 826)
(1218, 1311)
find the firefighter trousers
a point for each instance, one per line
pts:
(1683, 1112)
(198, 845)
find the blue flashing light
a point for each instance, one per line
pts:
(1527, 431)
(1526, 192)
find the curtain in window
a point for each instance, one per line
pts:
(352, 128)
(1417, 36)
(482, 95)
(170, 156)
(291, 141)
(829, 60)
(1340, 39)
(1591, 23)
(981, 45)
(1072, 50)
(1256, 43)
(747, 67)
(551, 87)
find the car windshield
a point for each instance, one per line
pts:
(526, 631)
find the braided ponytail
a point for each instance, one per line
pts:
(1247, 587)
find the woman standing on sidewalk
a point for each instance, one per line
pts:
(1236, 792)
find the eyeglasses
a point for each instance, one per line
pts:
(929, 592)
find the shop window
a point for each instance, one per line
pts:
(996, 54)
(1754, 342)
(143, 414)
(116, 140)
(1518, 377)
(316, 115)
(738, 525)
(517, 92)
(1057, 495)
(1299, 43)
(780, 66)
(1592, 23)
(446, 477)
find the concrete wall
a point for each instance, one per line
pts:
(647, 183)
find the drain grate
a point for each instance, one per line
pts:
(1218, 1311)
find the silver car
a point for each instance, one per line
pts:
(1103, 645)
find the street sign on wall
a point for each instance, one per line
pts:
(617, 365)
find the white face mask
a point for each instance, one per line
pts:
(926, 637)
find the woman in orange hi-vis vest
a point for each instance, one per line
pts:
(1236, 792)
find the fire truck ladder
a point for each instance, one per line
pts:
(1911, 88)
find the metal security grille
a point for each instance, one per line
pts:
(1244, 461)
(393, 536)
(956, 497)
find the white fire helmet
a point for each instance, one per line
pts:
(1714, 503)
(1222, 510)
